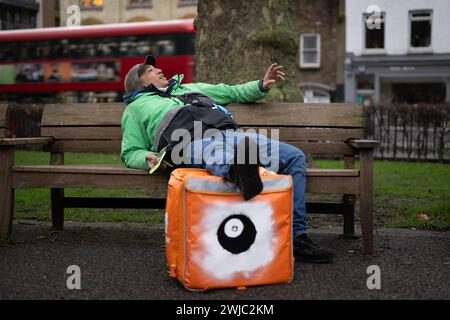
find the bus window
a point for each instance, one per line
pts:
(128, 46)
(65, 48)
(7, 51)
(27, 51)
(108, 47)
(43, 50)
(87, 49)
(57, 49)
(73, 48)
(166, 47)
(143, 46)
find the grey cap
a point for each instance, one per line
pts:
(132, 82)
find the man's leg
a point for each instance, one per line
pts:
(210, 154)
(230, 155)
(292, 162)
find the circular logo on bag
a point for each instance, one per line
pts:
(236, 233)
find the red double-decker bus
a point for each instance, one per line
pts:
(89, 63)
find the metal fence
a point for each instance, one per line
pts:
(410, 132)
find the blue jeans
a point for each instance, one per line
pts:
(214, 155)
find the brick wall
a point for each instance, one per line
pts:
(321, 16)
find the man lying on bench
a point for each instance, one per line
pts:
(157, 107)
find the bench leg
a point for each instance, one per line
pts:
(6, 192)
(57, 196)
(366, 199)
(348, 201)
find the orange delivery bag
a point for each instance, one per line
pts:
(215, 239)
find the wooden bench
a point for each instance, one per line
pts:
(317, 129)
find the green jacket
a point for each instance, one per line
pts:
(145, 112)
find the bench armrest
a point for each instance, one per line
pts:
(363, 144)
(11, 142)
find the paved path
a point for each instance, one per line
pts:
(120, 261)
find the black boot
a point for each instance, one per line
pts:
(246, 175)
(306, 250)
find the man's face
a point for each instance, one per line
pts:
(154, 76)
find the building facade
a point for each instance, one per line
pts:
(48, 14)
(122, 11)
(18, 14)
(320, 26)
(397, 51)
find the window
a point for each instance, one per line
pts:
(186, 3)
(310, 50)
(365, 82)
(374, 34)
(17, 18)
(316, 96)
(139, 4)
(33, 21)
(420, 22)
(91, 4)
(365, 89)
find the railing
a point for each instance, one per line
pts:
(410, 132)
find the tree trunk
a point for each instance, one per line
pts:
(236, 41)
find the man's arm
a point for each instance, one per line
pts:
(134, 150)
(225, 94)
(243, 93)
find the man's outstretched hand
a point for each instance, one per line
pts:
(274, 74)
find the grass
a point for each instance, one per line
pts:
(406, 193)
(410, 194)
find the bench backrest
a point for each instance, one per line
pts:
(3, 110)
(314, 128)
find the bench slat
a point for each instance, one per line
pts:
(320, 115)
(337, 185)
(86, 146)
(35, 179)
(94, 169)
(323, 148)
(84, 133)
(92, 114)
(311, 134)
(294, 114)
(119, 169)
(60, 180)
(332, 173)
(115, 147)
(285, 134)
